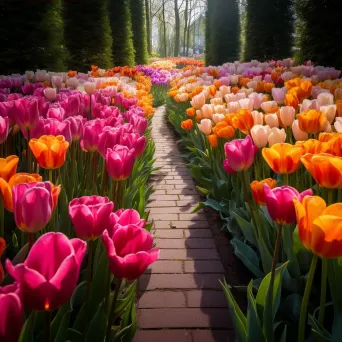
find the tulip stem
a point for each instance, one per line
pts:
(30, 240)
(89, 268)
(286, 179)
(112, 310)
(73, 161)
(50, 176)
(323, 291)
(28, 153)
(47, 330)
(109, 283)
(104, 177)
(304, 308)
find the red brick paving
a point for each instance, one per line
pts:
(180, 297)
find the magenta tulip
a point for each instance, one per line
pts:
(240, 154)
(76, 126)
(134, 140)
(91, 216)
(4, 128)
(139, 124)
(129, 251)
(120, 162)
(279, 202)
(91, 131)
(11, 308)
(109, 137)
(49, 275)
(33, 204)
(25, 113)
(56, 112)
(126, 217)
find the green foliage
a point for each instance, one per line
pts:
(88, 34)
(139, 31)
(268, 30)
(318, 39)
(121, 24)
(222, 32)
(31, 36)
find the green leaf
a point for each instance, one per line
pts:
(129, 319)
(63, 209)
(97, 327)
(203, 191)
(125, 300)
(74, 335)
(198, 207)
(239, 319)
(319, 331)
(28, 328)
(62, 333)
(246, 228)
(247, 255)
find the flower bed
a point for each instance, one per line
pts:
(75, 157)
(264, 145)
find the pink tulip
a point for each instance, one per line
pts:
(91, 215)
(91, 131)
(279, 202)
(25, 113)
(57, 113)
(129, 250)
(49, 275)
(139, 124)
(109, 137)
(126, 217)
(73, 105)
(33, 204)
(76, 126)
(4, 128)
(119, 162)
(279, 94)
(134, 141)
(12, 312)
(240, 154)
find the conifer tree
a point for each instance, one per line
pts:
(139, 31)
(121, 24)
(88, 34)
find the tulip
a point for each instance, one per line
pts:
(90, 87)
(50, 94)
(317, 226)
(33, 205)
(18, 178)
(260, 134)
(272, 120)
(287, 115)
(269, 106)
(187, 125)
(50, 151)
(338, 125)
(283, 158)
(48, 285)
(76, 126)
(311, 121)
(240, 154)
(4, 129)
(2, 249)
(276, 136)
(91, 216)
(257, 99)
(329, 112)
(8, 167)
(133, 141)
(191, 112)
(91, 131)
(314, 146)
(246, 104)
(298, 134)
(325, 99)
(212, 138)
(126, 217)
(205, 126)
(198, 101)
(109, 137)
(139, 124)
(119, 162)
(12, 312)
(278, 95)
(219, 109)
(218, 118)
(226, 132)
(72, 82)
(233, 107)
(207, 111)
(258, 189)
(326, 137)
(129, 250)
(325, 169)
(258, 117)
(57, 81)
(279, 202)
(243, 121)
(25, 113)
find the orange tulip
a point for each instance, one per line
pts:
(313, 146)
(229, 118)
(268, 87)
(18, 178)
(49, 150)
(213, 140)
(311, 121)
(2, 249)
(319, 226)
(212, 90)
(325, 137)
(217, 83)
(258, 189)
(336, 145)
(291, 99)
(187, 124)
(226, 132)
(191, 112)
(72, 73)
(338, 107)
(235, 89)
(283, 158)
(8, 167)
(325, 168)
(243, 121)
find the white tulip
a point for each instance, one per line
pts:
(205, 126)
(298, 134)
(276, 136)
(258, 117)
(90, 87)
(272, 120)
(260, 135)
(50, 94)
(329, 111)
(287, 115)
(338, 125)
(218, 118)
(325, 99)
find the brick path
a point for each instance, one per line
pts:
(180, 297)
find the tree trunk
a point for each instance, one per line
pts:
(164, 28)
(148, 26)
(185, 25)
(177, 36)
(188, 31)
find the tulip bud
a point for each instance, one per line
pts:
(260, 135)
(272, 120)
(205, 126)
(276, 136)
(72, 82)
(287, 115)
(258, 117)
(207, 111)
(90, 87)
